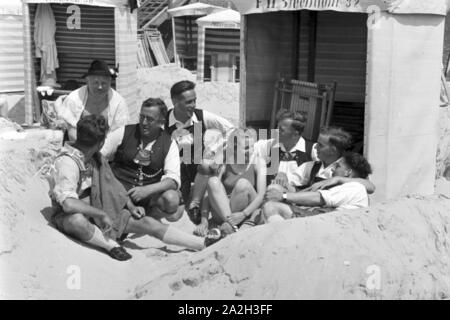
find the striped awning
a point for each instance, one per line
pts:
(194, 9)
(222, 19)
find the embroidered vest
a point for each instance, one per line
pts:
(298, 156)
(132, 174)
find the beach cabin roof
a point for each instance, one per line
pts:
(223, 19)
(194, 9)
(98, 3)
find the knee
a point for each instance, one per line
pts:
(269, 209)
(214, 182)
(176, 215)
(204, 169)
(275, 187)
(171, 201)
(243, 185)
(78, 226)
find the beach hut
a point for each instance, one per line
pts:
(386, 57)
(219, 41)
(11, 58)
(184, 30)
(85, 30)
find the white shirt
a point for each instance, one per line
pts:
(216, 125)
(171, 162)
(301, 176)
(351, 195)
(67, 182)
(263, 147)
(74, 105)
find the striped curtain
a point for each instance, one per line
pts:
(11, 54)
(126, 57)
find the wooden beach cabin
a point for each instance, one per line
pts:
(85, 30)
(386, 58)
(219, 46)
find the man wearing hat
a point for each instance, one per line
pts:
(96, 97)
(146, 161)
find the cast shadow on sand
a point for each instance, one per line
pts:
(48, 212)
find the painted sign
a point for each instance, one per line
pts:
(438, 7)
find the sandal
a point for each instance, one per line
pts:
(119, 253)
(213, 236)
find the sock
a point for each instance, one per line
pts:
(99, 240)
(183, 239)
(275, 218)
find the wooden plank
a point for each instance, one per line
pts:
(243, 73)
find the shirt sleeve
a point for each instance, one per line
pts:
(172, 164)
(70, 111)
(121, 116)
(347, 194)
(67, 175)
(213, 121)
(216, 122)
(112, 142)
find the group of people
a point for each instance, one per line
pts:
(113, 178)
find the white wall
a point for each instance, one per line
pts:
(403, 86)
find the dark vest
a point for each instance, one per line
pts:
(298, 156)
(199, 114)
(313, 178)
(127, 171)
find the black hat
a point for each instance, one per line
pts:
(100, 68)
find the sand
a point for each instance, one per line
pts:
(221, 98)
(405, 241)
(396, 250)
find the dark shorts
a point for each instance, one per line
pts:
(301, 212)
(119, 223)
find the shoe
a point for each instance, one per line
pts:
(195, 215)
(119, 253)
(213, 236)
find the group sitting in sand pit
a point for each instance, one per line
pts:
(112, 179)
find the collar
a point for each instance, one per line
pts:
(179, 124)
(83, 94)
(299, 146)
(75, 154)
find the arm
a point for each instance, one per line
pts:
(112, 142)
(309, 198)
(323, 185)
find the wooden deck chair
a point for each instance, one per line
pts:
(316, 100)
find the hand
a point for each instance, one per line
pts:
(273, 195)
(202, 229)
(281, 179)
(138, 213)
(139, 193)
(236, 218)
(105, 224)
(227, 228)
(326, 184)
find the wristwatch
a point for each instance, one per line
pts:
(284, 196)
